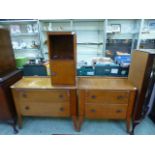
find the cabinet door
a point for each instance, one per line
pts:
(63, 72)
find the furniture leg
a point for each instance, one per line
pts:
(80, 121)
(128, 123)
(75, 122)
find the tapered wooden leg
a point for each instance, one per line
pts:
(75, 122)
(80, 121)
(128, 124)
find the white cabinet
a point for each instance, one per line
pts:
(25, 36)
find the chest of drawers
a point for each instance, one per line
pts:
(37, 97)
(105, 98)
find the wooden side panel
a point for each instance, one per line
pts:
(130, 109)
(4, 107)
(7, 60)
(81, 102)
(138, 68)
(73, 103)
(139, 75)
(17, 106)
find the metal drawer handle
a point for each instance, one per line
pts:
(120, 97)
(61, 109)
(27, 107)
(61, 96)
(93, 97)
(93, 110)
(119, 111)
(24, 95)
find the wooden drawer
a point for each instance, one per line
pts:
(107, 97)
(47, 96)
(45, 109)
(106, 111)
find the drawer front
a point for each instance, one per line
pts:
(50, 96)
(107, 97)
(106, 111)
(45, 109)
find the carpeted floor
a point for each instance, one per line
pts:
(51, 126)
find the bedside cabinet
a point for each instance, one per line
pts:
(37, 97)
(62, 58)
(105, 98)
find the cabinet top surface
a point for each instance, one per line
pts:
(98, 83)
(105, 83)
(37, 83)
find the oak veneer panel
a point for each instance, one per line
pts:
(52, 96)
(100, 83)
(45, 109)
(107, 97)
(63, 72)
(106, 111)
(38, 83)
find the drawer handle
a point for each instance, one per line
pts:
(61, 109)
(93, 97)
(61, 96)
(118, 111)
(120, 97)
(27, 107)
(93, 110)
(24, 95)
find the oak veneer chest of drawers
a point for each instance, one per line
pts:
(105, 98)
(35, 96)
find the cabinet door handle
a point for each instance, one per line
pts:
(61, 109)
(27, 107)
(118, 111)
(93, 110)
(93, 97)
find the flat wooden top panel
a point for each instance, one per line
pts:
(38, 83)
(104, 83)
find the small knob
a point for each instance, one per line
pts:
(61, 109)
(93, 97)
(60, 96)
(93, 110)
(120, 97)
(24, 95)
(53, 74)
(27, 107)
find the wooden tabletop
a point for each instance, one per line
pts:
(105, 83)
(37, 83)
